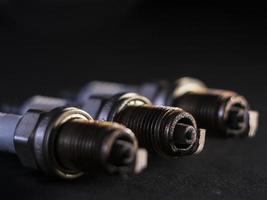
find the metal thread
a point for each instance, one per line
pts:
(209, 110)
(155, 127)
(203, 107)
(83, 145)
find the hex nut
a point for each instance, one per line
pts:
(23, 138)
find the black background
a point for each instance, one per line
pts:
(47, 46)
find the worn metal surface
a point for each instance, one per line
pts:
(213, 109)
(41, 141)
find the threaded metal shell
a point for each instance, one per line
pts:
(155, 127)
(211, 110)
(87, 146)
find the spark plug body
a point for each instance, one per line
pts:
(167, 131)
(221, 112)
(170, 132)
(67, 143)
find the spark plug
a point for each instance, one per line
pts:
(223, 113)
(68, 143)
(167, 131)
